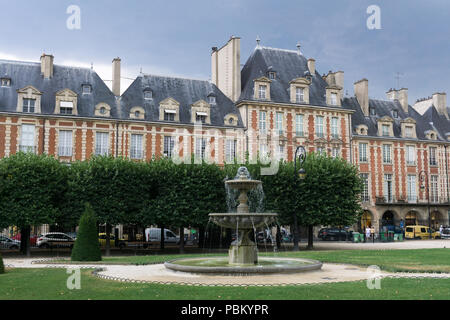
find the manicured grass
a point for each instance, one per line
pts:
(50, 284)
(417, 260)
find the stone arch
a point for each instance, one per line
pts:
(437, 219)
(389, 218)
(412, 218)
(366, 220)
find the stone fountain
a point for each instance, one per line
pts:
(243, 253)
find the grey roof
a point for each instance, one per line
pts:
(288, 66)
(386, 108)
(184, 91)
(23, 74)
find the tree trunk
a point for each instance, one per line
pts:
(181, 239)
(108, 240)
(161, 241)
(278, 237)
(296, 234)
(310, 237)
(25, 240)
(201, 236)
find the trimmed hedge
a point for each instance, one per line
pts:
(87, 246)
(2, 267)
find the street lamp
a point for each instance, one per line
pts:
(422, 176)
(300, 155)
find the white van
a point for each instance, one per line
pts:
(154, 235)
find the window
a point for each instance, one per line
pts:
(102, 143)
(365, 191)
(169, 115)
(212, 99)
(299, 125)
(388, 187)
(335, 152)
(433, 161)
(434, 189)
(86, 88)
(319, 126)
(102, 110)
(263, 150)
(66, 107)
(262, 91)
(27, 138)
(65, 143)
(137, 113)
(272, 75)
(136, 151)
(386, 153)
(201, 117)
(280, 152)
(321, 150)
(395, 113)
(385, 130)
(28, 105)
(230, 151)
(200, 147)
(279, 123)
(412, 195)
(333, 99)
(148, 95)
(169, 144)
(299, 95)
(334, 127)
(262, 121)
(410, 155)
(409, 132)
(363, 152)
(5, 82)
(372, 111)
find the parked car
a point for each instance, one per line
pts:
(154, 235)
(421, 232)
(445, 233)
(112, 241)
(7, 243)
(334, 234)
(33, 239)
(55, 240)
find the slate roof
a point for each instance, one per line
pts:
(288, 65)
(184, 91)
(386, 108)
(23, 74)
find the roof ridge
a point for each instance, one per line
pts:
(173, 77)
(278, 49)
(32, 63)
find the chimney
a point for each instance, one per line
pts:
(440, 103)
(47, 66)
(339, 78)
(361, 89)
(392, 94)
(226, 68)
(403, 99)
(116, 76)
(312, 66)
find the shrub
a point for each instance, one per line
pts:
(87, 246)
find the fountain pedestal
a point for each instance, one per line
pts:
(243, 250)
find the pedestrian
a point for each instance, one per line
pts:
(372, 233)
(441, 229)
(367, 233)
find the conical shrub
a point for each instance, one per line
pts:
(2, 267)
(87, 246)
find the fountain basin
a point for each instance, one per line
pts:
(242, 220)
(243, 184)
(220, 265)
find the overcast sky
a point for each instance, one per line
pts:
(172, 37)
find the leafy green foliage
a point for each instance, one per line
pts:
(87, 246)
(2, 266)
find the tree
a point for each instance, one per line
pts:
(87, 247)
(31, 192)
(2, 266)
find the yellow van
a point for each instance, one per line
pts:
(420, 232)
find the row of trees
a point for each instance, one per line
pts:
(37, 189)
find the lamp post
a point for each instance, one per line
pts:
(422, 175)
(300, 155)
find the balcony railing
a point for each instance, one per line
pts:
(26, 149)
(65, 151)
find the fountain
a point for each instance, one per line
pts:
(243, 253)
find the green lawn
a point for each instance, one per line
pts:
(51, 284)
(418, 260)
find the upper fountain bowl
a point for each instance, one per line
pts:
(243, 184)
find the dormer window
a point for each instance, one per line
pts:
(169, 115)
(272, 75)
(262, 91)
(299, 95)
(102, 110)
(148, 95)
(395, 113)
(385, 130)
(333, 99)
(137, 113)
(372, 111)
(86, 89)
(409, 132)
(29, 105)
(201, 117)
(212, 100)
(5, 82)
(66, 107)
